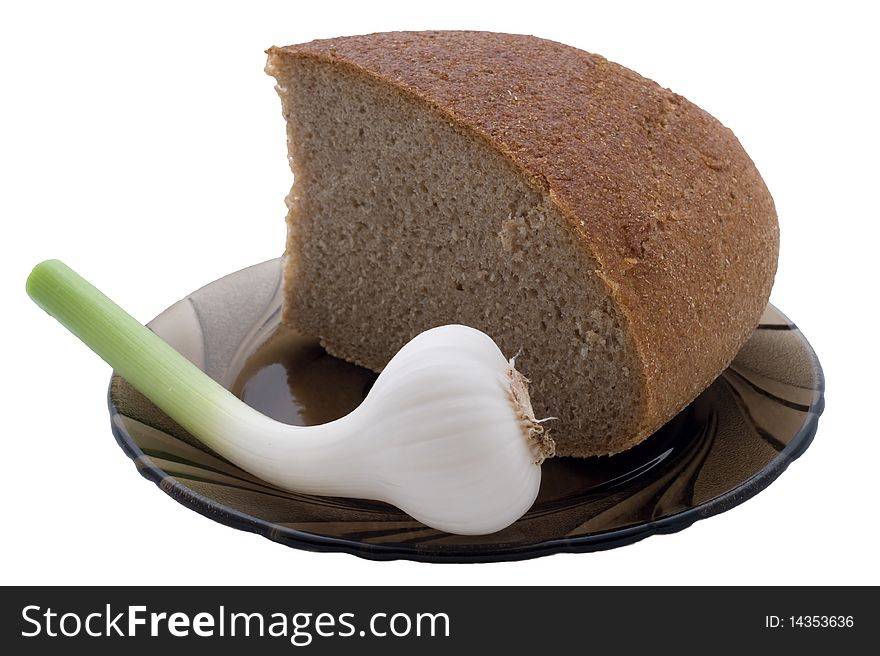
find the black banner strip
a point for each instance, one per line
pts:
(409, 620)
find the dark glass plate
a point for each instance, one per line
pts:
(724, 448)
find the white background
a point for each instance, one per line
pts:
(143, 145)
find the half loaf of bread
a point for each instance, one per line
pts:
(609, 231)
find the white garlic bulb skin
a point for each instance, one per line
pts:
(459, 451)
(446, 434)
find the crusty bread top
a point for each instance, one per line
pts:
(673, 210)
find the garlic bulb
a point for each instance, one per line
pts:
(446, 434)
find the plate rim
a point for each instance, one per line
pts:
(612, 538)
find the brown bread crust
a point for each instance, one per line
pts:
(663, 195)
